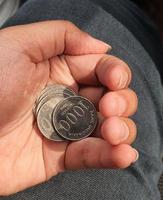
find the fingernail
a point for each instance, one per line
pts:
(108, 46)
(123, 79)
(104, 43)
(136, 156)
(124, 132)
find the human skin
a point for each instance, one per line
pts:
(34, 55)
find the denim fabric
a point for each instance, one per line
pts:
(141, 26)
(139, 181)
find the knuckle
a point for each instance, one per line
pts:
(67, 23)
(117, 61)
(132, 94)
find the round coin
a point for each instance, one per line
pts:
(48, 97)
(50, 91)
(44, 119)
(74, 118)
(55, 89)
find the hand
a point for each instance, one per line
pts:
(31, 56)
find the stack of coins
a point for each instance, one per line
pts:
(62, 115)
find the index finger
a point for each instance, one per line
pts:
(43, 40)
(96, 69)
(97, 153)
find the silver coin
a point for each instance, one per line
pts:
(44, 119)
(48, 97)
(42, 93)
(55, 89)
(74, 118)
(50, 91)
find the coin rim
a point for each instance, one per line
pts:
(48, 90)
(40, 129)
(52, 87)
(47, 98)
(54, 111)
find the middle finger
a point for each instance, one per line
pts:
(118, 103)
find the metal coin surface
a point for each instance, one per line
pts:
(74, 118)
(48, 97)
(50, 91)
(55, 89)
(44, 119)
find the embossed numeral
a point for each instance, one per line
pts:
(64, 125)
(72, 118)
(78, 111)
(46, 124)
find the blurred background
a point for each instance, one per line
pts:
(154, 8)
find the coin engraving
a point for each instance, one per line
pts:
(44, 119)
(55, 89)
(74, 118)
(62, 115)
(48, 97)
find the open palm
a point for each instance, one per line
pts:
(32, 56)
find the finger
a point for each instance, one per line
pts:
(119, 103)
(97, 153)
(44, 40)
(61, 74)
(118, 130)
(94, 94)
(113, 72)
(109, 70)
(53, 154)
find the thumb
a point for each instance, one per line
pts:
(44, 40)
